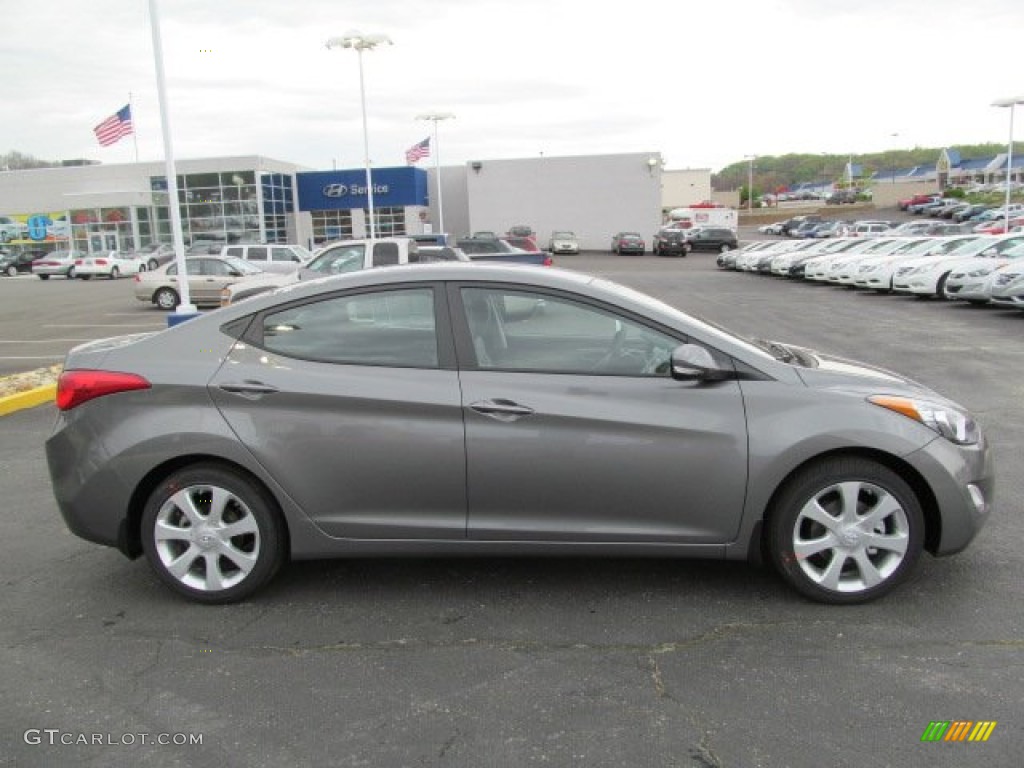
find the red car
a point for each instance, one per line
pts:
(917, 200)
(628, 242)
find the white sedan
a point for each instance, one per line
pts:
(972, 283)
(929, 277)
(110, 264)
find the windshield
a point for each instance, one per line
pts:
(241, 266)
(335, 261)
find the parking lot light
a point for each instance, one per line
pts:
(359, 43)
(1011, 103)
(435, 118)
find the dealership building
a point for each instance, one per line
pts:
(258, 199)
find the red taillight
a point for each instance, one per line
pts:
(100, 262)
(548, 262)
(78, 262)
(77, 387)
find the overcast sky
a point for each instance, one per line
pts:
(703, 82)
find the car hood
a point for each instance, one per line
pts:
(820, 370)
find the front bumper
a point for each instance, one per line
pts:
(962, 482)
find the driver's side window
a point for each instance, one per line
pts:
(522, 331)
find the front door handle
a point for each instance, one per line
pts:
(501, 409)
(248, 388)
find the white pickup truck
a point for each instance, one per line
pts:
(342, 257)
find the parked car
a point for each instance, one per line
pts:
(521, 230)
(207, 276)
(713, 239)
(485, 249)
(344, 257)
(109, 264)
(523, 243)
(929, 277)
(563, 241)
(13, 263)
(60, 263)
(421, 411)
(869, 228)
(917, 200)
(628, 242)
(270, 258)
(669, 241)
(155, 254)
(971, 282)
(1005, 286)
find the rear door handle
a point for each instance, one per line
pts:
(501, 409)
(248, 388)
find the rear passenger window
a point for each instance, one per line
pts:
(389, 328)
(236, 252)
(385, 254)
(257, 253)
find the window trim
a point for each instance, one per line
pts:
(446, 357)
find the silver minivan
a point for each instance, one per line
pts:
(283, 259)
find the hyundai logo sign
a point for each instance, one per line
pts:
(342, 190)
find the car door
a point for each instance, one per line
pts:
(575, 430)
(351, 402)
(213, 275)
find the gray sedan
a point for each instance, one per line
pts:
(451, 409)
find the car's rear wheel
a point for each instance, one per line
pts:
(82, 277)
(166, 298)
(940, 288)
(212, 535)
(71, 273)
(845, 530)
(44, 277)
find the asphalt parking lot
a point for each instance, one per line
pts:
(474, 662)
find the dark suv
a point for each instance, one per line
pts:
(671, 241)
(712, 239)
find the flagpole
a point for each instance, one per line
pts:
(135, 130)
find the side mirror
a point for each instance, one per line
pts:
(692, 362)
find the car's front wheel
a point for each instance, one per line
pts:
(212, 534)
(12, 271)
(845, 530)
(166, 298)
(44, 277)
(725, 248)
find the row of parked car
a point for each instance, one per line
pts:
(977, 268)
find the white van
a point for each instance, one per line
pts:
(281, 259)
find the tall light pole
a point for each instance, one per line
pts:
(185, 306)
(750, 181)
(435, 118)
(359, 42)
(1011, 103)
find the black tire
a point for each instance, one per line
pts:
(71, 274)
(82, 277)
(115, 273)
(12, 271)
(44, 277)
(242, 563)
(166, 298)
(940, 287)
(811, 572)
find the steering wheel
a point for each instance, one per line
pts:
(615, 350)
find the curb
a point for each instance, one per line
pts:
(28, 399)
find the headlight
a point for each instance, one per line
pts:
(954, 424)
(980, 272)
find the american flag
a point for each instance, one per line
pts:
(115, 127)
(418, 151)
